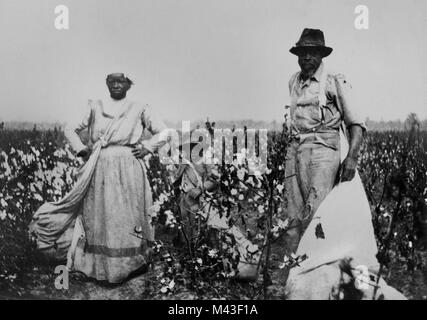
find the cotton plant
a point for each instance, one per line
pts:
(43, 168)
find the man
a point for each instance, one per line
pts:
(320, 103)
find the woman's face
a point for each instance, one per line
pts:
(118, 86)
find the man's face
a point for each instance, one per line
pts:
(309, 60)
(118, 85)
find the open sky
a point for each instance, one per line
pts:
(192, 59)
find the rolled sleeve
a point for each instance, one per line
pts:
(156, 127)
(348, 103)
(73, 129)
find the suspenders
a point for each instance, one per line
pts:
(322, 95)
(322, 103)
(321, 98)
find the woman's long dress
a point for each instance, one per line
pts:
(112, 196)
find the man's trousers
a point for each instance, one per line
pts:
(312, 164)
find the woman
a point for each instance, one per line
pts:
(112, 195)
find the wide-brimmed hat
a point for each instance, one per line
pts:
(311, 38)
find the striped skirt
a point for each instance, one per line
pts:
(116, 202)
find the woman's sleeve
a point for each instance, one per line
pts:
(152, 122)
(72, 130)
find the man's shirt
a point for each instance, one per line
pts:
(340, 103)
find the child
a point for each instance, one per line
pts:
(194, 180)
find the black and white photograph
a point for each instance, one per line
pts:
(215, 150)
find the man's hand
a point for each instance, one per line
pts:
(140, 151)
(348, 169)
(194, 193)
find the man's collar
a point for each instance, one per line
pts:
(316, 76)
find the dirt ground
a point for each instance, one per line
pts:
(40, 284)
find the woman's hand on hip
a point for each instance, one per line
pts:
(139, 151)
